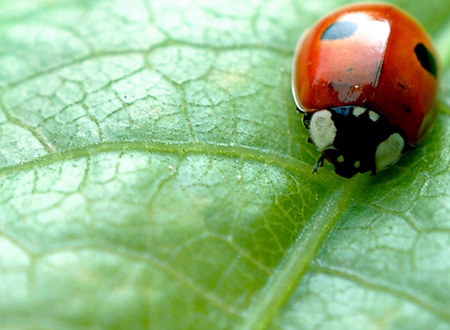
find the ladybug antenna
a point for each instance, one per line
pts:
(318, 164)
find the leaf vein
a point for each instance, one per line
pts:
(286, 162)
(390, 289)
(292, 268)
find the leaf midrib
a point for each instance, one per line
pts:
(296, 262)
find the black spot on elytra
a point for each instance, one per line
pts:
(426, 59)
(339, 30)
(399, 84)
(408, 110)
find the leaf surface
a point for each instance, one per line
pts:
(154, 174)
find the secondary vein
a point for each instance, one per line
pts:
(286, 162)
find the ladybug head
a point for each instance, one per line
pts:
(354, 139)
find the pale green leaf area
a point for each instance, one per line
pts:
(154, 174)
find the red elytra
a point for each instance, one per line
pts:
(370, 55)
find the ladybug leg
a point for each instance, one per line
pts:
(307, 120)
(374, 171)
(318, 164)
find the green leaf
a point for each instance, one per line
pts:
(154, 174)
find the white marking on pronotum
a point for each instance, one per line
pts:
(322, 129)
(373, 116)
(389, 151)
(358, 111)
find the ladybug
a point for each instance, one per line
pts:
(365, 77)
